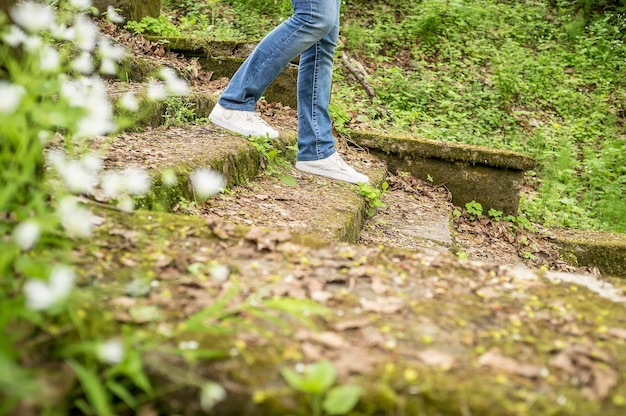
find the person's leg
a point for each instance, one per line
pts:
(310, 22)
(316, 145)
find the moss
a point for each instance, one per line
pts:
(606, 251)
(407, 146)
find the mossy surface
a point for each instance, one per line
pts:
(449, 309)
(606, 251)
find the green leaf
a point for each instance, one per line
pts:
(341, 399)
(319, 377)
(288, 180)
(122, 392)
(93, 387)
(295, 380)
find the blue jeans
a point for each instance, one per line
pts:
(312, 33)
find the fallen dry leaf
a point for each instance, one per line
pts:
(387, 305)
(494, 359)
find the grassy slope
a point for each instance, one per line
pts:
(517, 75)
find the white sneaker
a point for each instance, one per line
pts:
(247, 123)
(332, 167)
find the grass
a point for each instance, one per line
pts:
(547, 79)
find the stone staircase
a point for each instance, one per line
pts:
(316, 277)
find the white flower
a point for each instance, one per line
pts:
(111, 51)
(15, 37)
(50, 59)
(211, 394)
(83, 64)
(220, 272)
(75, 219)
(11, 97)
(33, 43)
(173, 84)
(112, 184)
(188, 345)
(42, 295)
(33, 17)
(207, 182)
(74, 93)
(129, 101)
(26, 234)
(99, 119)
(77, 179)
(80, 4)
(62, 32)
(111, 352)
(168, 178)
(92, 162)
(86, 33)
(114, 16)
(44, 136)
(126, 204)
(156, 91)
(108, 66)
(136, 181)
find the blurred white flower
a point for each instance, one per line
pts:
(77, 179)
(84, 63)
(174, 85)
(169, 178)
(207, 182)
(111, 352)
(108, 66)
(156, 91)
(188, 345)
(62, 32)
(75, 219)
(92, 162)
(33, 17)
(50, 59)
(112, 185)
(136, 181)
(211, 394)
(99, 119)
(42, 295)
(114, 16)
(129, 101)
(26, 234)
(11, 97)
(33, 43)
(220, 272)
(86, 33)
(80, 4)
(74, 93)
(15, 37)
(126, 204)
(111, 51)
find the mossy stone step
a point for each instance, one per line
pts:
(472, 173)
(223, 58)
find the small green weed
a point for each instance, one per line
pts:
(179, 111)
(160, 26)
(316, 383)
(373, 196)
(474, 209)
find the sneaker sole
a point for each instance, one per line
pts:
(331, 175)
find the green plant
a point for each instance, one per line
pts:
(179, 111)
(160, 26)
(495, 214)
(474, 209)
(373, 196)
(316, 382)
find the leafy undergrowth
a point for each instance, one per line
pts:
(205, 304)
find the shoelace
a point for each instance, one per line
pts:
(255, 118)
(341, 163)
